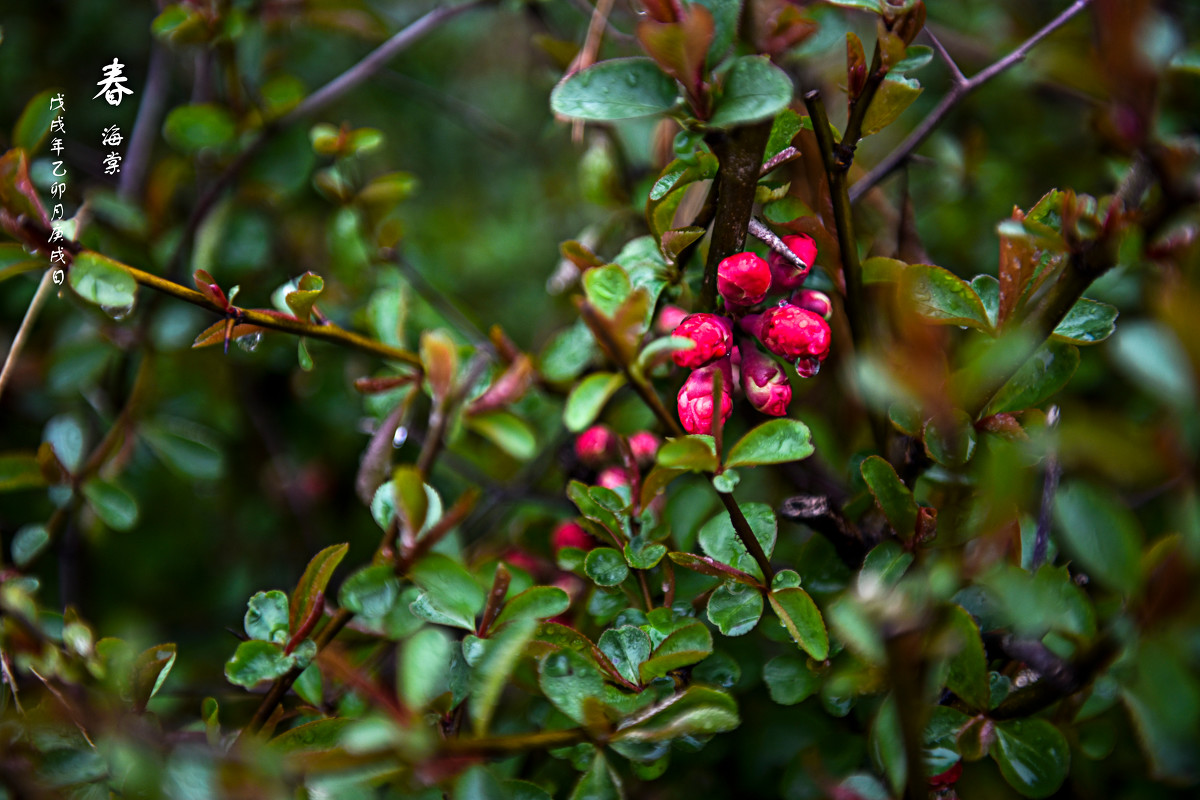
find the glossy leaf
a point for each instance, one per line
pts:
(507, 431)
(607, 288)
(1047, 371)
(195, 127)
(789, 680)
(620, 88)
(150, 671)
(884, 565)
(318, 736)
(187, 449)
(719, 540)
(696, 711)
(450, 596)
(112, 504)
(494, 669)
(568, 679)
(255, 662)
(1101, 534)
(1032, 755)
(893, 497)
(941, 296)
(626, 647)
(696, 452)
(17, 192)
(735, 608)
(34, 122)
(370, 592)
(968, 675)
(688, 645)
(412, 502)
(536, 602)
(267, 617)
(606, 566)
(102, 281)
(775, 442)
(798, 613)
(311, 588)
(424, 661)
(894, 95)
(642, 554)
(710, 566)
(600, 782)
(752, 89)
(1088, 322)
(588, 399)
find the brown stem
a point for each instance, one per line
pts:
(31, 314)
(513, 743)
(1063, 680)
(739, 153)
(742, 528)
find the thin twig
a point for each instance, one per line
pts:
(31, 313)
(761, 232)
(956, 94)
(1041, 541)
(145, 127)
(782, 157)
(956, 74)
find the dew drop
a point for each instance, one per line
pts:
(250, 341)
(400, 437)
(631, 79)
(557, 666)
(118, 313)
(808, 366)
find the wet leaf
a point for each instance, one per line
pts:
(753, 89)
(775, 442)
(102, 281)
(620, 88)
(311, 587)
(798, 613)
(1032, 755)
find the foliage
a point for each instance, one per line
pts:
(460, 563)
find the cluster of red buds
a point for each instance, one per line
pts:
(600, 448)
(795, 329)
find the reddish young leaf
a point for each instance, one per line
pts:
(680, 49)
(16, 189)
(312, 584)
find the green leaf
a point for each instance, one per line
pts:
(735, 608)
(606, 566)
(626, 647)
(775, 442)
(267, 617)
(893, 497)
(1047, 371)
(621, 88)
(190, 129)
(588, 398)
(719, 540)
(987, 287)
(696, 452)
(600, 782)
(1152, 358)
(1088, 322)
(15, 261)
(478, 783)
(1032, 755)
(895, 94)
(915, 57)
(34, 122)
(255, 662)
(874, 6)
(607, 288)
(310, 686)
(568, 679)
(950, 441)
(187, 449)
(884, 565)
(798, 613)
(781, 212)
(1101, 534)
(591, 507)
(688, 645)
(102, 281)
(568, 354)
(710, 566)
(19, 471)
(371, 592)
(318, 736)
(507, 431)
(886, 743)
(968, 674)
(310, 589)
(28, 544)
(643, 554)
(536, 602)
(726, 14)
(308, 289)
(941, 296)
(1163, 701)
(408, 489)
(424, 662)
(696, 711)
(493, 671)
(112, 504)
(150, 671)
(450, 596)
(753, 89)
(783, 130)
(789, 680)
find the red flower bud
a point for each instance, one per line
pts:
(743, 279)
(613, 478)
(783, 272)
(571, 534)
(596, 445)
(765, 383)
(796, 333)
(696, 400)
(816, 302)
(516, 557)
(669, 318)
(644, 446)
(712, 334)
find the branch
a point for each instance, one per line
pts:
(960, 90)
(318, 100)
(31, 313)
(1060, 680)
(145, 127)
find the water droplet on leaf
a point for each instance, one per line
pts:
(118, 313)
(250, 341)
(557, 666)
(400, 437)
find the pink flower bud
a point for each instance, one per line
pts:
(712, 334)
(784, 273)
(795, 333)
(571, 534)
(644, 446)
(696, 400)
(516, 557)
(613, 478)
(816, 302)
(669, 318)
(596, 445)
(743, 279)
(765, 383)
